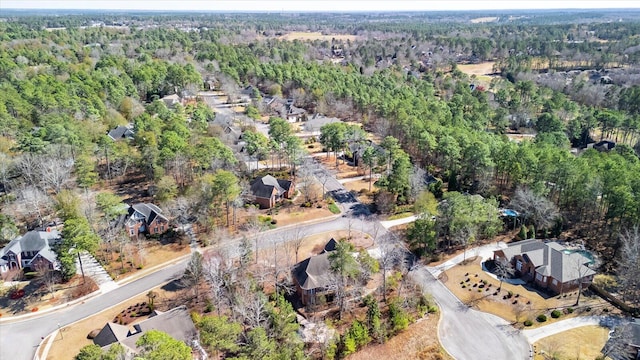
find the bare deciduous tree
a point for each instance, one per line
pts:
(194, 274)
(48, 276)
(390, 256)
(215, 275)
(252, 306)
(540, 210)
(34, 201)
(55, 172)
(629, 264)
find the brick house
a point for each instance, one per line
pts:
(145, 218)
(267, 191)
(548, 265)
(29, 250)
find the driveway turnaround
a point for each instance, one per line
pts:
(468, 334)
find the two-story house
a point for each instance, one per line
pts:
(29, 250)
(145, 218)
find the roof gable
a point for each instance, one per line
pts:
(264, 187)
(551, 260)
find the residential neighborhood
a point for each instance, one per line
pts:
(204, 184)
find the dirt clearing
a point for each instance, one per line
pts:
(300, 35)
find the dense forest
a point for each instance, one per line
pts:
(565, 82)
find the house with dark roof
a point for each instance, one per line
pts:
(175, 322)
(30, 250)
(548, 265)
(295, 114)
(145, 218)
(267, 191)
(120, 132)
(313, 277)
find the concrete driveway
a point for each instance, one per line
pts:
(468, 334)
(563, 325)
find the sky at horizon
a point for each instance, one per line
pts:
(314, 5)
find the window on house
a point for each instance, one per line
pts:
(555, 282)
(155, 229)
(162, 228)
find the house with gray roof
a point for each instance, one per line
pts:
(175, 322)
(548, 265)
(30, 250)
(120, 132)
(267, 191)
(145, 218)
(313, 277)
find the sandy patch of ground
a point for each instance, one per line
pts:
(296, 214)
(580, 343)
(419, 341)
(300, 35)
(485, 68)
(484, 19)
(523, 304)
(156, 254)
(73, 337)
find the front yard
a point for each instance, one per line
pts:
(585, 342)
(514, 303)
(72, 338)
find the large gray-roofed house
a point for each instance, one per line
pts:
(30, 249)
(175, 322)
(313, 277)
(548, 264)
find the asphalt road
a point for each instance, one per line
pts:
(19, 340)
(468, 334)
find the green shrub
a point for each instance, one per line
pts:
(433, 309)
(334, 208)
(570, 310)
(541, 318)
(348, 345)
(528, 322)
(556, 314)
(532, 232)
(522, 235)
(399, 318)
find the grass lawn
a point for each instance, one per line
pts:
(523, 304)
(156, 254)
(580, 343)
(334, 208)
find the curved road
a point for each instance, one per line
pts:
(468, 334)
(19, 340)
(464, 333)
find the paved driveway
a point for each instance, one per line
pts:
(468, 334)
